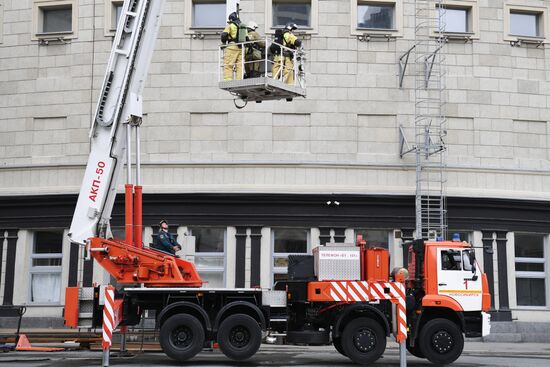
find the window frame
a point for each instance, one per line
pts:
(110, 14)
(39, 269)
(472, 9)
(314, 17)
(532, 274)
(38, 19)
(397, 31)
(284, 270)
(222, 255)
(188, 20)
(540, 11)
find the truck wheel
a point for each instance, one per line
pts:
(363, 340)
(441, 341)
(181, 337)
(415, 351)
(338, 345)
(239, 337)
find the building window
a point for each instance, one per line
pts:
(525, 24)
(530, 263)
(287, 241)
(454, 20)
(210, 245)
(285, 11)
(45, 270)
(54, 19)
(113, 9)
(374, 15)
(209, 14)
(374, 237)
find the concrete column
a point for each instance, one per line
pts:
(266, 258)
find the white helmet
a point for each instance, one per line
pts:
(252, 25)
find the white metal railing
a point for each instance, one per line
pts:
(262, 58)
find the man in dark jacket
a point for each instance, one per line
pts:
(165, 240)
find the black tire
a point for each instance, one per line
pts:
(181, 337)
(338, 345)
(363, 340)
(239, 337)
(415, 351)
(441, 341)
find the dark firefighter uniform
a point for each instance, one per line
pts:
(166, 242)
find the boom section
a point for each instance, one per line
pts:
(120, 102)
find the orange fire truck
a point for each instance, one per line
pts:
(342, 294)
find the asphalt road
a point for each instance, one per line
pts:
(480, 355)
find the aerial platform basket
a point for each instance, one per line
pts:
(262, 89)
(261, 75)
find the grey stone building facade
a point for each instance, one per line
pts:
(257, 184)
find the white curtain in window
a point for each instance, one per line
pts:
(46, 288)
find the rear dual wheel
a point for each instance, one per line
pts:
(239, 337)
(181, 337)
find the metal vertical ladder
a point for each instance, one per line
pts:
(429, 119)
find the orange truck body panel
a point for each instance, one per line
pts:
(135, 265)
(376, 264)
(70, 313)
(436, 300)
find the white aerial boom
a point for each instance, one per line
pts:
(120, 103)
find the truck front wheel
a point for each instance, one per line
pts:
(239, 337)
(441, 341)
(181, 337)
(363, 340)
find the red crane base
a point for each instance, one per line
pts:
(134, 265)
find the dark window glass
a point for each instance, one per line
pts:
(531, 292)
(529, 245)
(375, 16)
(279, 277)
(48, 242)
(524, 24)
(57, 19)
(47, 262)
(450, 260)
(209, 239)
(374, 238)
(209, 14)
(529, 267)
(298, 13)
(290, 240)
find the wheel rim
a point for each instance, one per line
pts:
(364, 340)
(239, 336)
(181, 337)
(442, 341)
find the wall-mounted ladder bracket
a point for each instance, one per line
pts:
(403, 62)
(404, 146)
(429, 64)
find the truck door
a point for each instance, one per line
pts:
(459, 278)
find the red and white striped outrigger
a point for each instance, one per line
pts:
(112, 316)
(364, 291)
